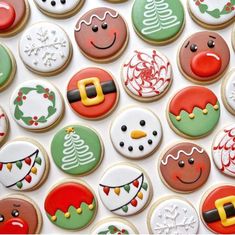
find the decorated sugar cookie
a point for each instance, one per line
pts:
(23, 164)
(173, 215)
(136, 132)
(185, 167)
(71, 205)
(36, 105)
(158, 21)
(147, 75)
(4, 126)
(19, 215)
(101, 34)
(45, 49)
(233, 37)
(125, 189)
(77, 149)
(218, 209)
(92, 93)
(212, 14)
(193, 112)
(204, 57)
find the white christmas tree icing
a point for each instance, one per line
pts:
(158, 16)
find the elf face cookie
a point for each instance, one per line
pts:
(45, 49)
(36, 105)
(218, 209)
(77, 149)
(204, 57)
(193, 112)
(185, 167)
(147, 75)
(74, 211)
(158, 21)
(125, 189)
(23, 164)
(19, 215)
(101, 34)
(92, 93)
(173, 215)
(4, 126)
(136, 132)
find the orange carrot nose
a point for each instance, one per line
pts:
(137, 134)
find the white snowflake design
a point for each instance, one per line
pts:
(232, 95)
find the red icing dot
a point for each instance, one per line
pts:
(14, 226)
(7, 15)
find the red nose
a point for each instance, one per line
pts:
(14, 226)
(7, 15)
(206, 64)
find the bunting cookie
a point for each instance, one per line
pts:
(4, 126)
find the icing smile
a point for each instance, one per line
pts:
(191, 182)
(107, 47)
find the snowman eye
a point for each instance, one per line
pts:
(123, 128)
(142, 123)
(1, 218)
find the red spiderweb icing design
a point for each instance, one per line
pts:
(146, 74)
(66, 195)
(190, 97)
(2, 116)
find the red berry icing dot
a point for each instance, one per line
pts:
(7, 15)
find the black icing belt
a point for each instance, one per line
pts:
(107, 88)
(213, 215)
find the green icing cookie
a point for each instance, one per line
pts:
(77, 150)
(158, 20)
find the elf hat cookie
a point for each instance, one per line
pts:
(76, 210)
(204, 57)
(19, 215)
(92, 93)
(24, 164)
(4, 126)
(158, 21)
(212, 14)
(101, 34)
(77, 149)
(193, 112)
(147, 75)
(125, 189)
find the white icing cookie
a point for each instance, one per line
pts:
(3, 126)
(22, 165)
(136, 132)
(36, 105)
(125, 189)
(45, 48)
(173, 215)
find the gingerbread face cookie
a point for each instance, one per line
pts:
(185, 167)
(92, 93)
(73, 212)
(193, 112)
(4, 126)
(147, 75)
(101, 34)
(204, 57)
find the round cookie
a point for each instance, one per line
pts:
(158, 21)
(7, 66)
(76, 210)
(184, 167)
(19, 215)
(212, 14)
(193, 112)
(101, 34)
(136, 132)
(217, 209)
(24, 164)
(45, 49)
(14, 15)
(92, 93)
(173, 215)
(125, 189)
(147, 75)
(228, 91)
(59, 8)
(36, 105)
(4, 126)
(204, 57)
(77, 149)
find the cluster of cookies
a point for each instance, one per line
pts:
(136, 132)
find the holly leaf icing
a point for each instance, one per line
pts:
(203, 8)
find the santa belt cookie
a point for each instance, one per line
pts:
(96, 91)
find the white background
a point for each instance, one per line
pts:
(78, 62)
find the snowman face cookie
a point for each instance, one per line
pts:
(136, 132)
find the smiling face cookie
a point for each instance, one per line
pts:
(185, 167)
(101, 34)
(204, 57)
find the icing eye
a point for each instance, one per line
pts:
(121, 144)
(141, 147)
(53, 3)
(181, 163)
(191, 161)
(193, 47)
(104, 25)
(63, 1)
(130, 148)
(123, 128)
(154, 133)
(95, 28)
(150, 141)
(142, 123)
(15, 213)
(211, 44)
(1, 218)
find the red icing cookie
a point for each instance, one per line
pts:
(92, 93)
(7, 14)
